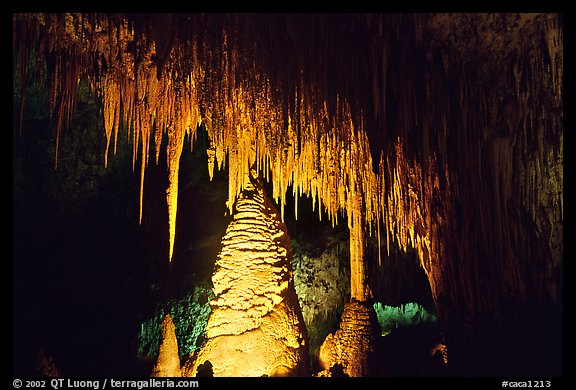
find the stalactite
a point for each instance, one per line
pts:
(245, 131)
(111, 96)
(174, 150)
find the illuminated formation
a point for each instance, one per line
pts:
(243, 122)
(168, 362)
(353, 345)
(421, 141)
(255, 327)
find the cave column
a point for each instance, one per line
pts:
(351, 348)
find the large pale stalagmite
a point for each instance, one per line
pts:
(255, 327)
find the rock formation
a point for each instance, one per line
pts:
(353, 345)
(256, 327)
(168, 363)
(443, 132)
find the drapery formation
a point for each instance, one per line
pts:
(443, 130)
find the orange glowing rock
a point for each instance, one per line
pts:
(255, 327)
(353, 345)
(168, 363)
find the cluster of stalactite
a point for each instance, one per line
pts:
(467, 157)
(206, 81)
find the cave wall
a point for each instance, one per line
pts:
(503, 143)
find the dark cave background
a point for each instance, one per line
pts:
(85, 274)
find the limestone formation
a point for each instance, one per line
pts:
(255, 327)
(322, 283)
(168, 363)
(353, 345)
(444, 130)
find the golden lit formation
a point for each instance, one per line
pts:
(298, 143)
(256, 326)
(352, 346)
(168, 362)
(161, 77)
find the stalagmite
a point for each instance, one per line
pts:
(353, 345)
(255, 327)
(168, 362)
